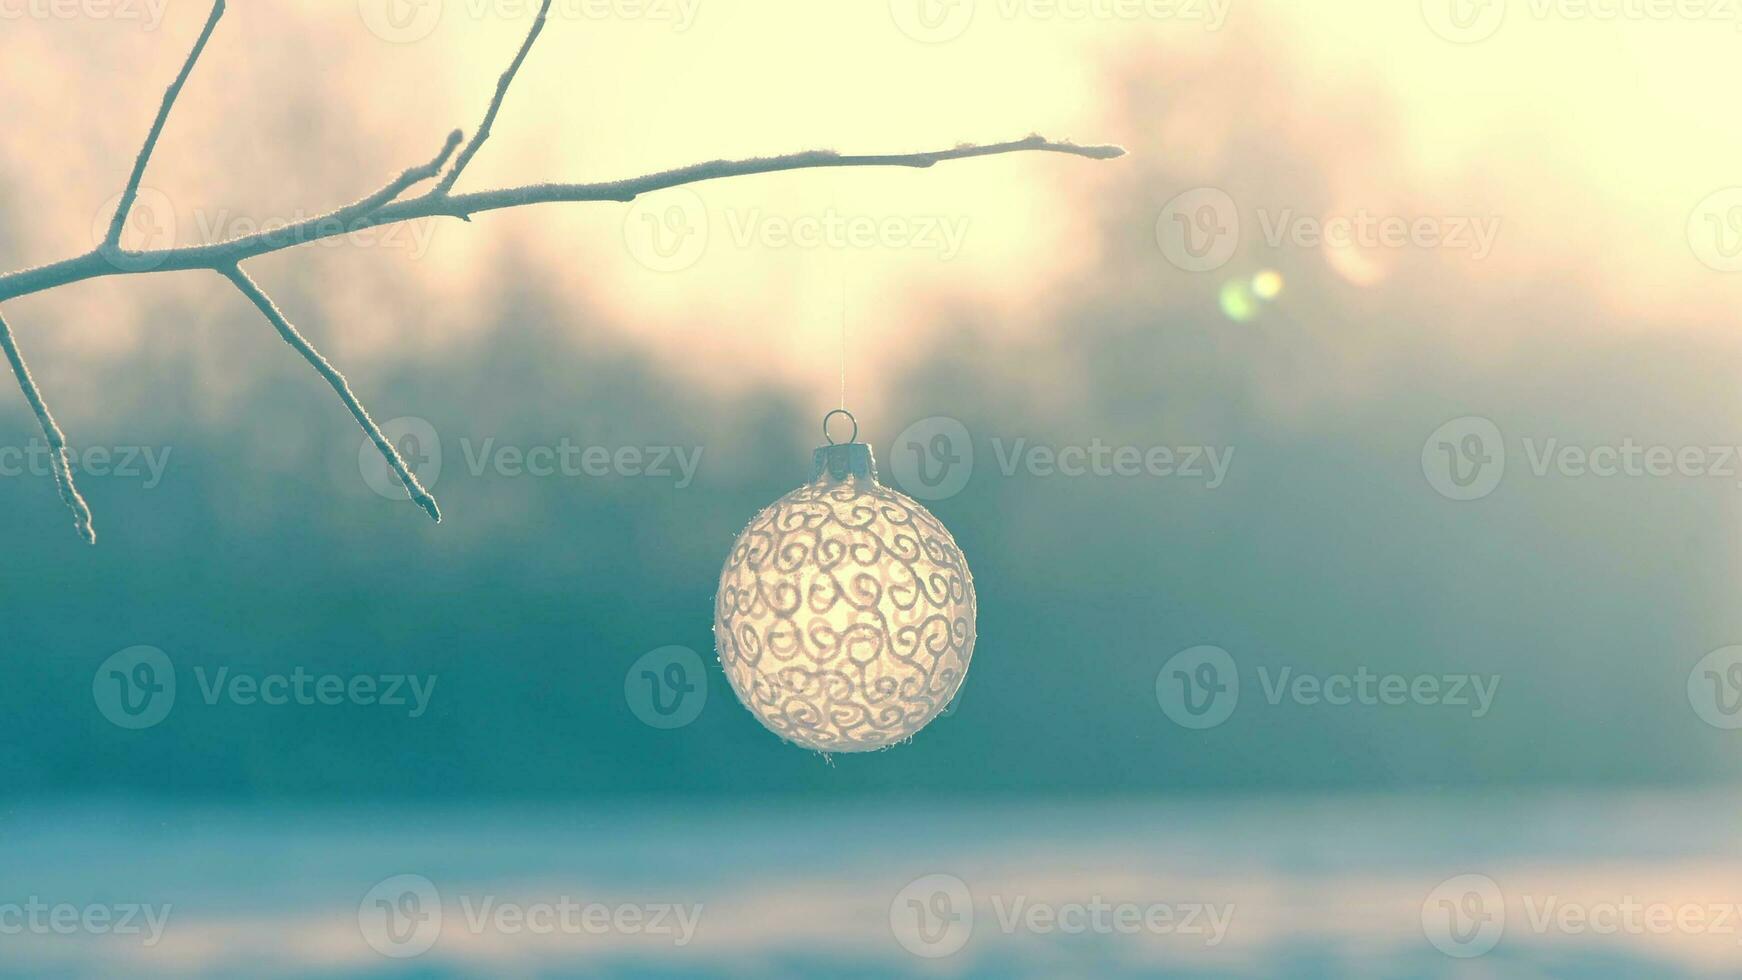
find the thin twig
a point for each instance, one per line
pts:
(296, 340)
(113, 238)
(57, 443)
(502, 84)
(633, 187)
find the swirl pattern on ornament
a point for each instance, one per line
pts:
(845, 616)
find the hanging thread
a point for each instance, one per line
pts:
(843, 331)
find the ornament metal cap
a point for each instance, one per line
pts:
(839, 462)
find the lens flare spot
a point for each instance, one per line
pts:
(1267, 284)
(1237, 301)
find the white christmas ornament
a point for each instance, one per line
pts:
(845, 615)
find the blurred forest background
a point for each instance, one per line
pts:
(1060, 320)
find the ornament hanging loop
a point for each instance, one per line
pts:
(840, 411)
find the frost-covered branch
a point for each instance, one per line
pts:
(131, 192)
(502, 84)
(214, 256)
(296, 340)
(386, 206)
(57, 443)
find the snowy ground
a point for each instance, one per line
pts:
(1618, 885)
